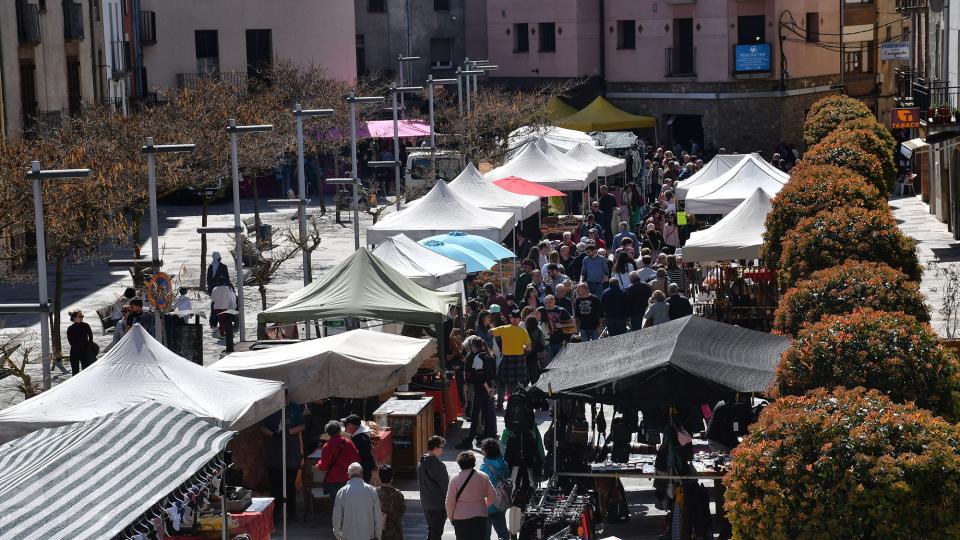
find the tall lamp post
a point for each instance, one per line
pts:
(353, 99)
(466, 76)
(394, 91)
(150, 149)
(38, 175)
(401, 59)
(431, 82)
(233, 129)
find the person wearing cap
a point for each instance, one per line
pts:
(514, 344)
(360, 435)
(594, 270)
(357, 514)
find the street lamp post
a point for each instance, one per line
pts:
(394, 91)
(401, 59)
(37, 175)
(431, 82)
(150, 149)
(353, 99)
(233, 129)
(299, 113)
(466, 75)
(356, 211)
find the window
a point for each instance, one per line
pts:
(681, 58)
(751, 29)
(28, 95)
(74, 100)
(521, 37)
(376, 6)
(259, 54)
(626, 35)
(441, 53)
(361, 55)
(441, 5)
(813, 27)
(548, 37)
(853, 61)
(208, 51)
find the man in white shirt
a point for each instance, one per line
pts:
(182, 302)
(223, 298)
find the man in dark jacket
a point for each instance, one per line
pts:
(638, 296)
(360, 435)
(615, 308)
(679, 305)
(433, 479)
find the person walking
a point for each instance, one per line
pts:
(678, 305)
(360, 437)
(216, 271)
(223, 298)
(273, 456)
(433, 480)
(658, 312)
(356, 510)
(82, 347)
(469, 495)
(497, 470)
(514, 344)
(613, 303)
(482, 372)
(638, 298)
(586, 311)
(392, 505)
(337, 453)
(594, 270)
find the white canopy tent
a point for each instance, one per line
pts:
(140, 369)
(441, 211)
(606, 164)
(738, 235)
(472, 186)
(566, 161)
(423, 266)
(355, 364)
(533, 165)
(731, 188)
(711, 170)
(562, 138)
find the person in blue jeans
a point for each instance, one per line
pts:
(594, 270)
(497, 469)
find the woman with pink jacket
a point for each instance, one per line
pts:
(468, 497)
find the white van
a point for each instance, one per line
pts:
(449, 165)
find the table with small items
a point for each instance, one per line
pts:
(256, 521)
(708, 465)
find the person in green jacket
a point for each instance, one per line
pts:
(524, 278)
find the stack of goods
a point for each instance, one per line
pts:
(553, 513)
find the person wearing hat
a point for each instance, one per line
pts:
(514, 344)
(360, 435)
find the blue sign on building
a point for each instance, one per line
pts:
(752, 58)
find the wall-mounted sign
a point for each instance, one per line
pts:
(905, 118)
(894, 50)
(752, 58)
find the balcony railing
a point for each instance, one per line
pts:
(911, 5)
(903, 85)
(235, 78)
(148, 28)
(930, 93)
(28, 23)
(72, 21)
(680, 62)
(120, 58)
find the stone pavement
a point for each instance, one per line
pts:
(936, 247)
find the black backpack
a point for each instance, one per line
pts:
(519, 416)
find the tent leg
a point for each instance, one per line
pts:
(441, 350)
(283, 444)
(224, 521)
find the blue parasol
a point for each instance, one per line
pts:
(475, 262)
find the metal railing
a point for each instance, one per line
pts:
(72, 20)
(903, 85)
(680, 62)
(235, 78)
(148, 28)
(930, 93)
(120, 57)
(28, 23)
(911, 5)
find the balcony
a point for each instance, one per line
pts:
(931, 93)
(119, 59)
(911, 5)
(28, 23)
(680, 62)
(148, 28)
(72, 21)
(903, 86)
(234, 78)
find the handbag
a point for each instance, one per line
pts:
(94, 349)
(504, 494)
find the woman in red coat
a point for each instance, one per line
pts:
(337, 454)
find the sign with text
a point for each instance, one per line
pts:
(905, 118)
(752, 58)
(895, 50)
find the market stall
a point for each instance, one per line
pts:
(739, 235)
(140, 369)
(563, 139)
(606, 164)
(726, 192)
(472, 186)
(533, 165)
(110, 476)
(423, 266)
(441, 211)
(601, 115)
(712, 170)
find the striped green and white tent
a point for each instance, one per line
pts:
(92, 479)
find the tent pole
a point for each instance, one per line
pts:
(442, 350)
(224, 521)
(283, 444)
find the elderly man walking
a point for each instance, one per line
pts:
(356, 513)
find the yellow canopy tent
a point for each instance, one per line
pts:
(601, 115)
(557, 109)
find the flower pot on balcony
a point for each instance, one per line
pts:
(931, 115)
(943, 114)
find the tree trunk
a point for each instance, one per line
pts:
(56, 346)
(135, 231)
(263, 296)
(203, 243)
(256, 210)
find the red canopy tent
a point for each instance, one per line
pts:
(526, 187)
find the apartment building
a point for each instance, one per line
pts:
(46, 62)
(432, 30)
(236, 39)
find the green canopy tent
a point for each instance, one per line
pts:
(364, 286)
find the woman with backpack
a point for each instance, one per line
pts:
(499, 473)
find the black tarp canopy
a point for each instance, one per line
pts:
(688, 360)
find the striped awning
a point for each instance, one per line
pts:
(92, 479)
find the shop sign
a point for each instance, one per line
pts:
(895, 51)
(752, 58)
(905, 118)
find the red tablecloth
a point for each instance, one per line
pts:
(259, 525)
(383, 446)
(446, 403)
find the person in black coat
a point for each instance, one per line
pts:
(215, 271)
(80, 337)
(638, 297)
(360, 436)
(679, 306)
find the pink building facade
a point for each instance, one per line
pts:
(710, 71)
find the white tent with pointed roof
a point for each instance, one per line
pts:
(566, 161)
(561, 138)
(606, 164)
(140, 369)
(441, 211)
(720, 164)
(731, 188)
(423, 266)
(738, 235)
(533, 165)
(472, 186)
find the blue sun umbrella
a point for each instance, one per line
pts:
(475, 262)
(476, 244)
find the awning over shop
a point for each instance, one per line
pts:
(601, 115)
(356, 364)
(363, 286)
(140, 369)
(691, 359)
(907, 148)
(738, 235)
(93, 479)
(383, 129)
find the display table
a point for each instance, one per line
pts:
(257, 522)
(708, 466)
(446, 405)
(383, 446)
